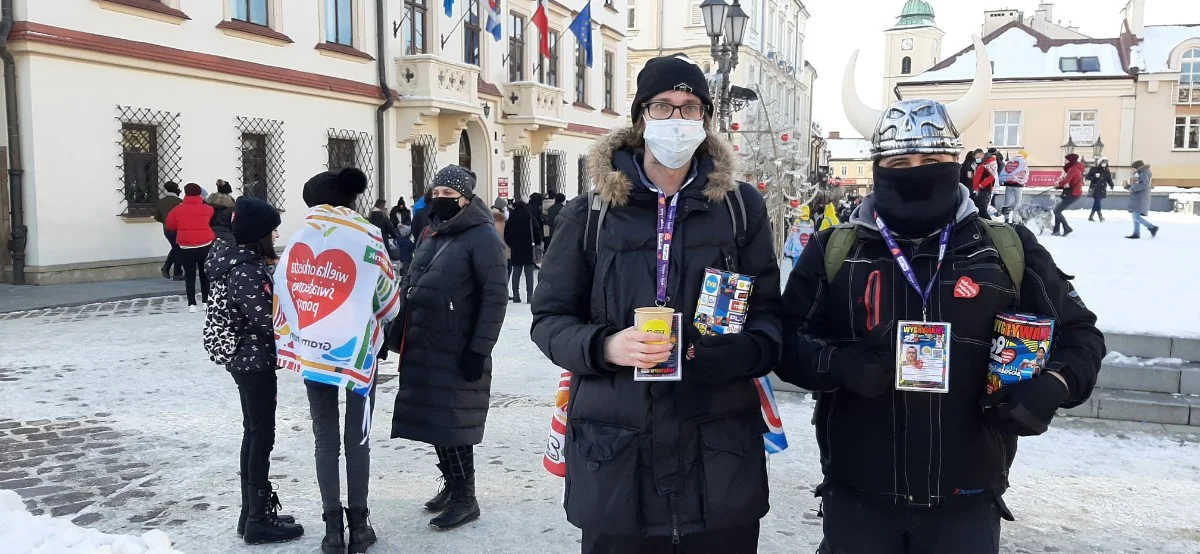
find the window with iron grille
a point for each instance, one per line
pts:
(552, 172)
(260, 159)
(251, 11)
(348, 148)
(339, 22)
(608, 80)
(149, 142)
(414, 27)
(548, 68)
(424, 163)
(580, 75)
(521, 175)
(516, 48)
(471, 33)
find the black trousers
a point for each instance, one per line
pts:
(733, 540)
(983, 199)
(858, 523)
(193, 266)
(459, 461)
(1059, 219)
(173, 265)
(257, 391)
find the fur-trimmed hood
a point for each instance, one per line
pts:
(220, 200)
(612, 184)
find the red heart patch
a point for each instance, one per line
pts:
(1008, 355)
(966, 288)
(319, 284)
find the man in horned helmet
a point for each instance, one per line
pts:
(916, 455)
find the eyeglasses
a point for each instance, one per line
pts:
(666, 110)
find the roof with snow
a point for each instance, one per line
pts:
(1154, 52)
(849, 149)
(1018, 52)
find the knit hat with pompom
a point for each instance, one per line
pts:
(336, 188)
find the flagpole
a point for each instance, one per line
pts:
(446, 38)
(528, 22)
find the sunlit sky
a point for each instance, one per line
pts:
(837, 27)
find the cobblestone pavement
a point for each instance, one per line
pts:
(112, 415)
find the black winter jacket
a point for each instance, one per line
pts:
(521, 232)
(1100, 181)
(552, 214)
(250, 289)
(924, 448)
(657, 458)
(450, 305)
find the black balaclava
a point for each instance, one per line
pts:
(917, 201)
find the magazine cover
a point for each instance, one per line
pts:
(1020, 348)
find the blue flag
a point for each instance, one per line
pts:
(582, 29)
(449, 7)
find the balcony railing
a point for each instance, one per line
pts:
(426, 77)
(1187, 94)
(527, 101)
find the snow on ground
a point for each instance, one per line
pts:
(1119, 358)
(21, 532)
(1145, 286)
(1086, 486)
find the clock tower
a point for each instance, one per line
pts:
(912, 46)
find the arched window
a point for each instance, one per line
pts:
(906, 65)
(1189, 69)
(464, 150)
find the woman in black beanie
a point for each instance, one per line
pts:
(238, 332)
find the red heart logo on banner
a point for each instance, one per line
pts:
(966, 288)
(1008, 355)
(319, 285)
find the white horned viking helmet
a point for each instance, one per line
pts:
(918, 126)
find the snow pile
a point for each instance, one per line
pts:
(22, 533)
(1118, 358)
(1016, 54)
(1160, 41)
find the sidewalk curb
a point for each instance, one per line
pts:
(89, 302)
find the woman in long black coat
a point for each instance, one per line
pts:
(453, 306)
(1100, 182)
(522, 233)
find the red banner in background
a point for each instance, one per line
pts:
(502, 187)
(1044, 178)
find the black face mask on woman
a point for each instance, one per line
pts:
(917, 201)
(446, 208)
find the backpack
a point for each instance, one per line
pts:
(220, 339)
(1004, 237)
(598, 208)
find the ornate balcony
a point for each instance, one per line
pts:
(533, 114)
(437, 97)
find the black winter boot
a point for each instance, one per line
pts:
(263, 524)
(463, 506)
(1153, 231)
(335, 533)
(440, 502)
(362, 535)
(241, 525)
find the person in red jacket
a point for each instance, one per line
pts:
(1071, 184)
(191, 222)
(984, 181)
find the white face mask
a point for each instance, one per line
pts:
(673, 141)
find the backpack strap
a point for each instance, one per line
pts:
(1008, 244)
(597, 209)
(737, 216)
(838, 247)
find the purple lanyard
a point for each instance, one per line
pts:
(666, 230)
(906, 267)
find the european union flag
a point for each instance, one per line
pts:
(582, 29)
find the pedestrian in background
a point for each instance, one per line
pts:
(400, 214)
(1139, 199)
(173, 267)
(1071, 184)
(560, 200)
(421, 212)
(243, 266)
(223, 204)
(523, 235)
(966, 172)
(453, 309)
(501, 206)
(984, 181)
(1014, 176)
(191, 222)
(1100, 181)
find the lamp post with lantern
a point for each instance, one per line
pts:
(725, 26)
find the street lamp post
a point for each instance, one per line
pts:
(725, 26)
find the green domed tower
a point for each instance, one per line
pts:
(916, 13)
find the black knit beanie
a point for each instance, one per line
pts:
(666, 73)
(336, 188)
(458, 178)
(253, 220)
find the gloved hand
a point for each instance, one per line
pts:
(867, 367)
(718, 359)
(1027, 407)
(472, 365)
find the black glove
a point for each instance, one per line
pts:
(1025, 408)
(718, 359)
(868, 367)
(472, 365)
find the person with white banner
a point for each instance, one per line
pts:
(334, 294)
